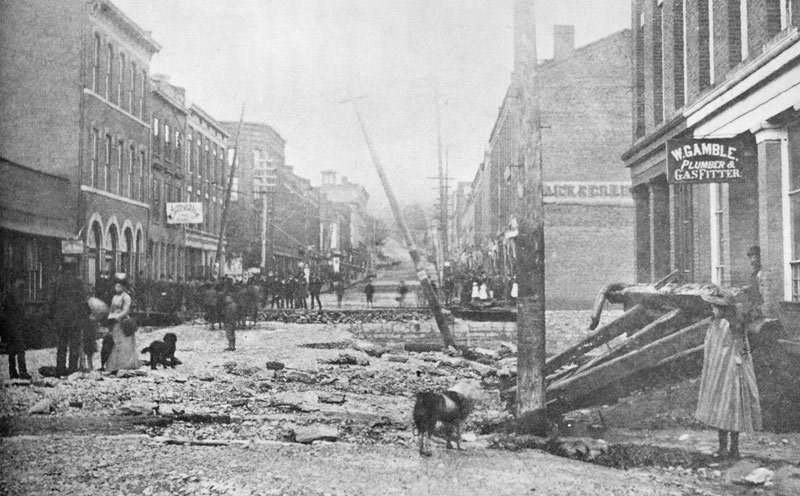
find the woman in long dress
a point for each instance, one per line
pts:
(728, 399)
(123, 355)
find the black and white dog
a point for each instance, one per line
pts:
(451, 408)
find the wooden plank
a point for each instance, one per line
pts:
(668, 323)
(575, 387)
(635, 318)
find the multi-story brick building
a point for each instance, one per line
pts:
(75, 103)
(585, 185)
(719, 69)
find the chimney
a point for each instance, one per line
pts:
(328, 177)
(563, 42)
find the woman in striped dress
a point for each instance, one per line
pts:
(728, 398)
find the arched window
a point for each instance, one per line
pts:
(95, 243)
(121, 81)
(96, 64)
(109, 69)
(112, 258)
(127, 253)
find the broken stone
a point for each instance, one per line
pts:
(335, 398)
(43, 406)
(240, 369)
(299, 376)
(47, 382)
(760, 476)
(452, 362)
(238, 401)
(272, 365)
(166, 409)
(483, 370)
(305, 402)
(507, 348)
(395, 358)
(370, 349)
(342, 383)
(138, 408)
(346, 359)
(315, 432)
(76, 404)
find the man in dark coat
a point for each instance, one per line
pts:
(369, 291)
(314, 288)
(12, 330)
(69, 313)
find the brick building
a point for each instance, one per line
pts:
(75, 103)
(586, 187)
(719, 69)
(349, 201)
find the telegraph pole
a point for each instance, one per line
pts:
(422, 274)
(442, 179)
(220, 258)
(530, 240)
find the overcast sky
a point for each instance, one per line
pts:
(290, 62)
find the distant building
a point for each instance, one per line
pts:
(585, 116)
(346, 219)
(719, 70)
(75, 102)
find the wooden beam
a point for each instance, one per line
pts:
(635, 318)
(573, 388)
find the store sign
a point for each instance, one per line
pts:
(585, 192)
(72, 246)
(185, 213)
(692, 161)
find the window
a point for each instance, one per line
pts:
(156, 138)
(178, 150)
(658, 66)
(120, 169)
(706, 45)
(142, 90)
(131, 166)
(678, 79)
(107, 168)
(96, 64)
(132, 88)
(109, 67)
(794, 208)
(95, 172)
(121, 80)
(156, 200)
(142, 165)
(717, 234)
(199, 156)
(167, 146)
(214, 163)
(190, 149)
(639, 123)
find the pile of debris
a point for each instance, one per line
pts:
(380, 316)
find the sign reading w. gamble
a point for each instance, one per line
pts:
(704, 161)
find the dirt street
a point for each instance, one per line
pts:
(224, 423)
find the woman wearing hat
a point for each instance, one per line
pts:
(123, 354)
(728, 399)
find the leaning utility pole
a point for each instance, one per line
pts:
(530, 218)
(422, 274)
(442, 187)
(220, 258)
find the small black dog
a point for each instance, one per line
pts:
(451, 408)
(163, 352)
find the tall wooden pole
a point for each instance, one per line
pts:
(530, 219)
(442, 190)
(422, 274)
(219, 258)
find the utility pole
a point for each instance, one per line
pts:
(442, 179)
(530, 240)
(422, 274)
(220, 257)
(263, 229)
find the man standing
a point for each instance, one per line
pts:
(315, 287)
(12, 330)
(69, 313)
(369, 291)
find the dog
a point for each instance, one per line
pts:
(451, 408)
(163, 352)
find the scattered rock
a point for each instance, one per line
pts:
(299, 376)
(169, 409)
(240, 369)
(483, 370)
(180, 380)
(370, 349)
(341, 383)
(315, 432)
(138, 408)
(760, 476)
(238, 401)
(303, 402)
(447, 361)
(44, 406)
(76, 404)
(47, 382)
(275, 365)
(395, 358)
(335, 398)
(75, 376)
(345, 358)
(94, 376)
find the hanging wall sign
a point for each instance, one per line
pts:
(185, 213)
(692, 161)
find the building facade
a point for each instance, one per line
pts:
(586, 188)
(721, 69)
(93, 134)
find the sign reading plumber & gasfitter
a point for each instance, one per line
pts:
(704, 161)
(185, 213)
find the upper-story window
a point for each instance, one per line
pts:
(107, 165)
(190, 151)
(167, 143)
(143, 89)
(121, 81)
(120, 167)
(678, 53)
(131, 166)
(109, 69)
(96, 64)
(156, 137)
(95, 173)
(132, 88)
(178, 150)
(658, 66)
(142, 165)
(793, 135)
